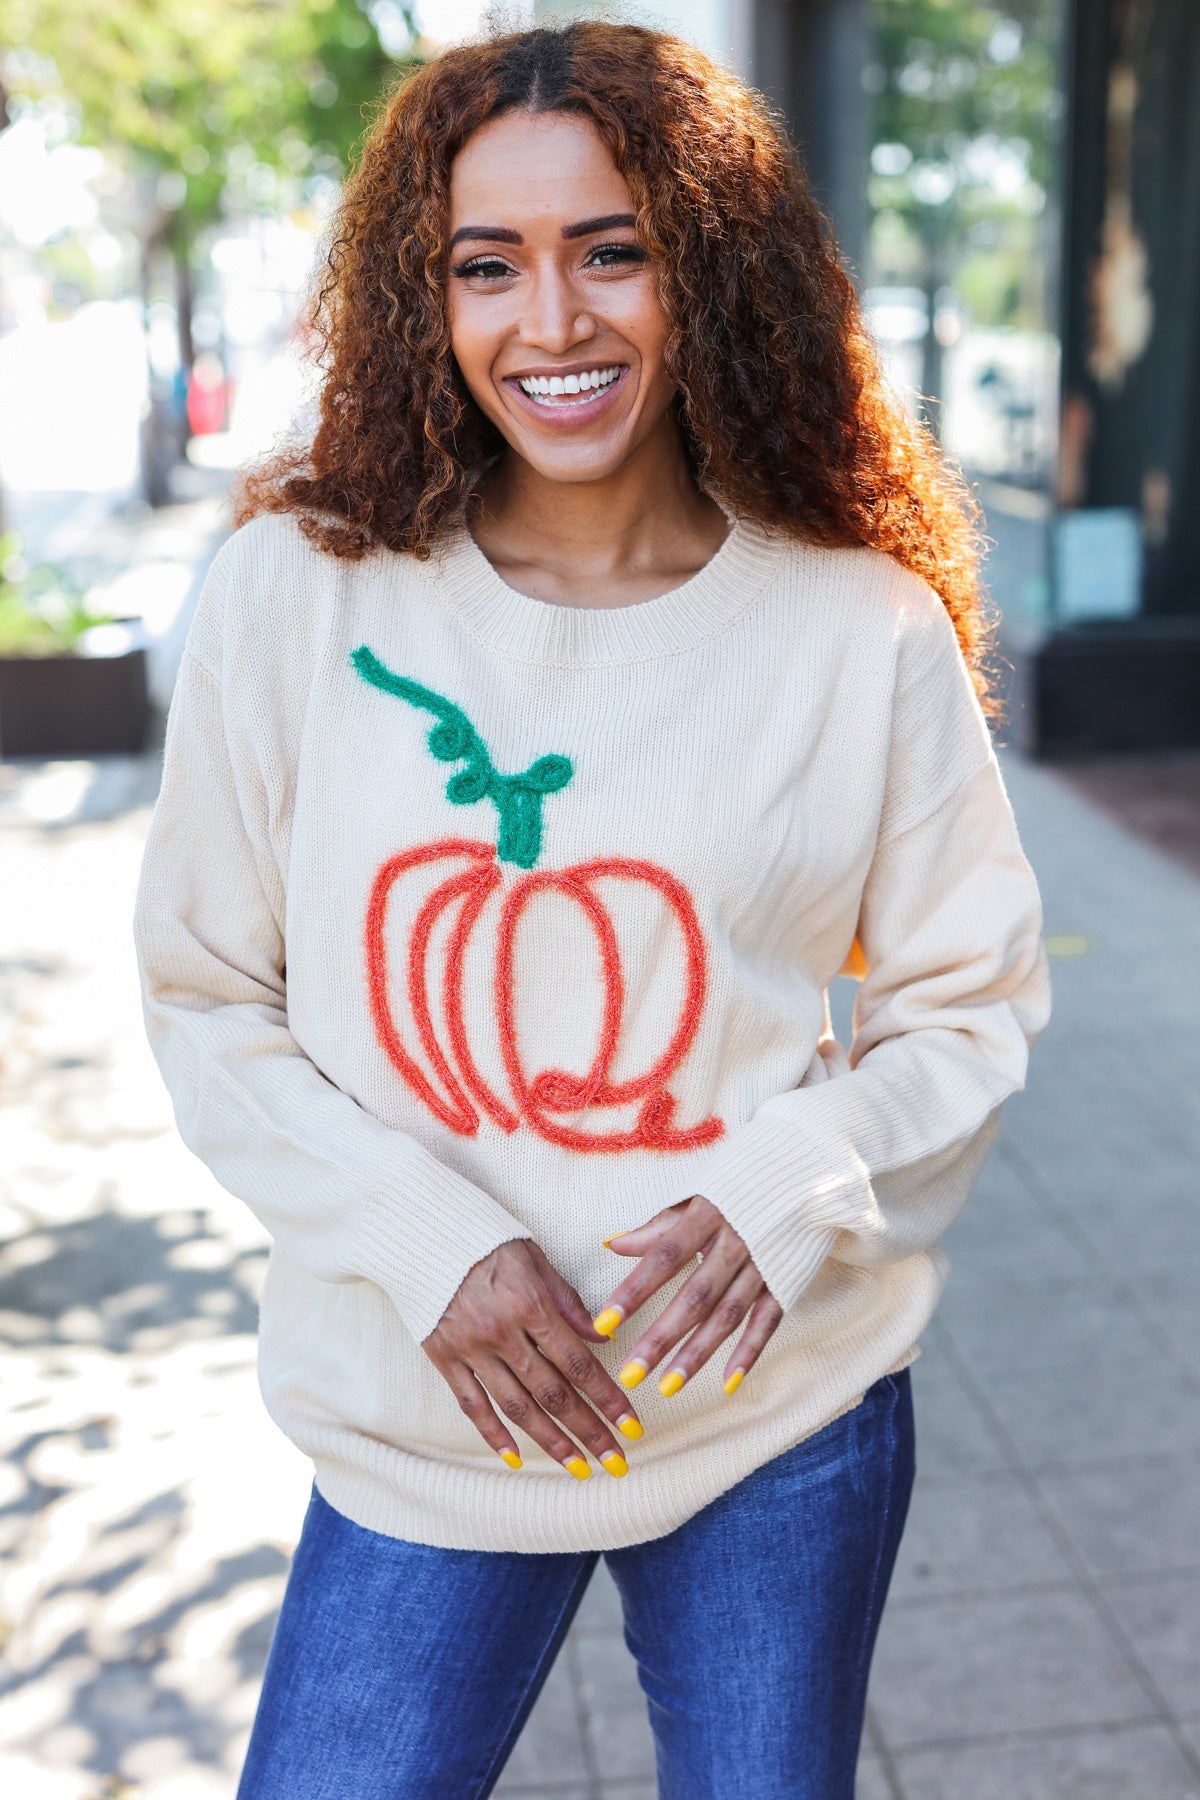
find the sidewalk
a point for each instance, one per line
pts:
(1041, 1638)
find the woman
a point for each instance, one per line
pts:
(600, 682)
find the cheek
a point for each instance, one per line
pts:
(473, 350)
(463, 340)
(645, 324)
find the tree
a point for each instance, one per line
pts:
(192, 96)
(967, 97)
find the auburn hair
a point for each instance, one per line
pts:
(782, 403)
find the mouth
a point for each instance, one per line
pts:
(569, 398)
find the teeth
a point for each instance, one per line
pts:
(589, 382)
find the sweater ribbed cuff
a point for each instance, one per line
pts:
(783, 1202)
(417, 1242)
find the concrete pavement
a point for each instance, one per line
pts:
(1041, 1640)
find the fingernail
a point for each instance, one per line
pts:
(735, 1380)
(615, 1463)
(608, 1320)
(632, 1373)
(671, 1384)
(511, 1458)
(629, 1426)
(578, 1467)
(625, 1233)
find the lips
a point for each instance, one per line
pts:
(556, 386)
(569, 397)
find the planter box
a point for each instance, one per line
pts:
(73, 705)
(1123, 685)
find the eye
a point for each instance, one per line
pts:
(611, 256)
(491, 268)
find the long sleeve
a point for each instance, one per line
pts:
(344, 1195)
(873, 1157)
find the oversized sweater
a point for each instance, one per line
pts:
(468, 917)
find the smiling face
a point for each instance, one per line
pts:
(553, 306)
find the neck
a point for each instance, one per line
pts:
(628, 519)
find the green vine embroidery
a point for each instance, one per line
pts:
(517, 798)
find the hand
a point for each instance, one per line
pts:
(512, 1335)
(724, 1290)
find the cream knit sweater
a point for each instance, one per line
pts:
(468, 917)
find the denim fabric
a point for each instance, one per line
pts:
(401, 1671)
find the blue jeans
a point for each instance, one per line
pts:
(400, 1671)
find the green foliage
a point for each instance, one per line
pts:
(198, 90)
(42, 611)
(965, 135)
(953, 71)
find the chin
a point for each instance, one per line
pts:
(571, 475)
(572, 467)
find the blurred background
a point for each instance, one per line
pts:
(1015, 189)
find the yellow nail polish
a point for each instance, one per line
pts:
(615, 1463)
(671, 1384)
(511, 1458)
(579, 1469)
(629, 1426)
(632, 1373)
(735, 1380)
(608, 1240)
(608, 1320)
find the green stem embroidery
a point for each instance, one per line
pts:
(517, 798)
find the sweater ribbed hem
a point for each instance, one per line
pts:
(543, 1509)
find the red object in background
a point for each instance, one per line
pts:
(208, 396)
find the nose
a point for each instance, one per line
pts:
(555, 318)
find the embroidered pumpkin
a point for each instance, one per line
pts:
(534, 1098)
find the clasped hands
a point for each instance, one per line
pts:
(515, 1335)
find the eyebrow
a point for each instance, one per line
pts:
(495, 234)
(609, 222)
(501, 234)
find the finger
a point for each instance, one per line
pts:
(587, 1375)
(660, 1263)
(638, 1238)
(728, 1313)
(765, 1315)
(472, 1397)
(552, 1381)
(520, 1408)
(688, 1309)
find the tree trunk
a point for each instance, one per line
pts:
(185, 301)
(933, 400)
(158, 450)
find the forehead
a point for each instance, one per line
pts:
(551, 166)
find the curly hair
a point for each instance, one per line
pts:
(781, 400)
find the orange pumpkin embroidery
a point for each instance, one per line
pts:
(553, 1091)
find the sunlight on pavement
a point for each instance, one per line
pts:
(149, 1505)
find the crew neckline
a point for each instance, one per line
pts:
(548, 631)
